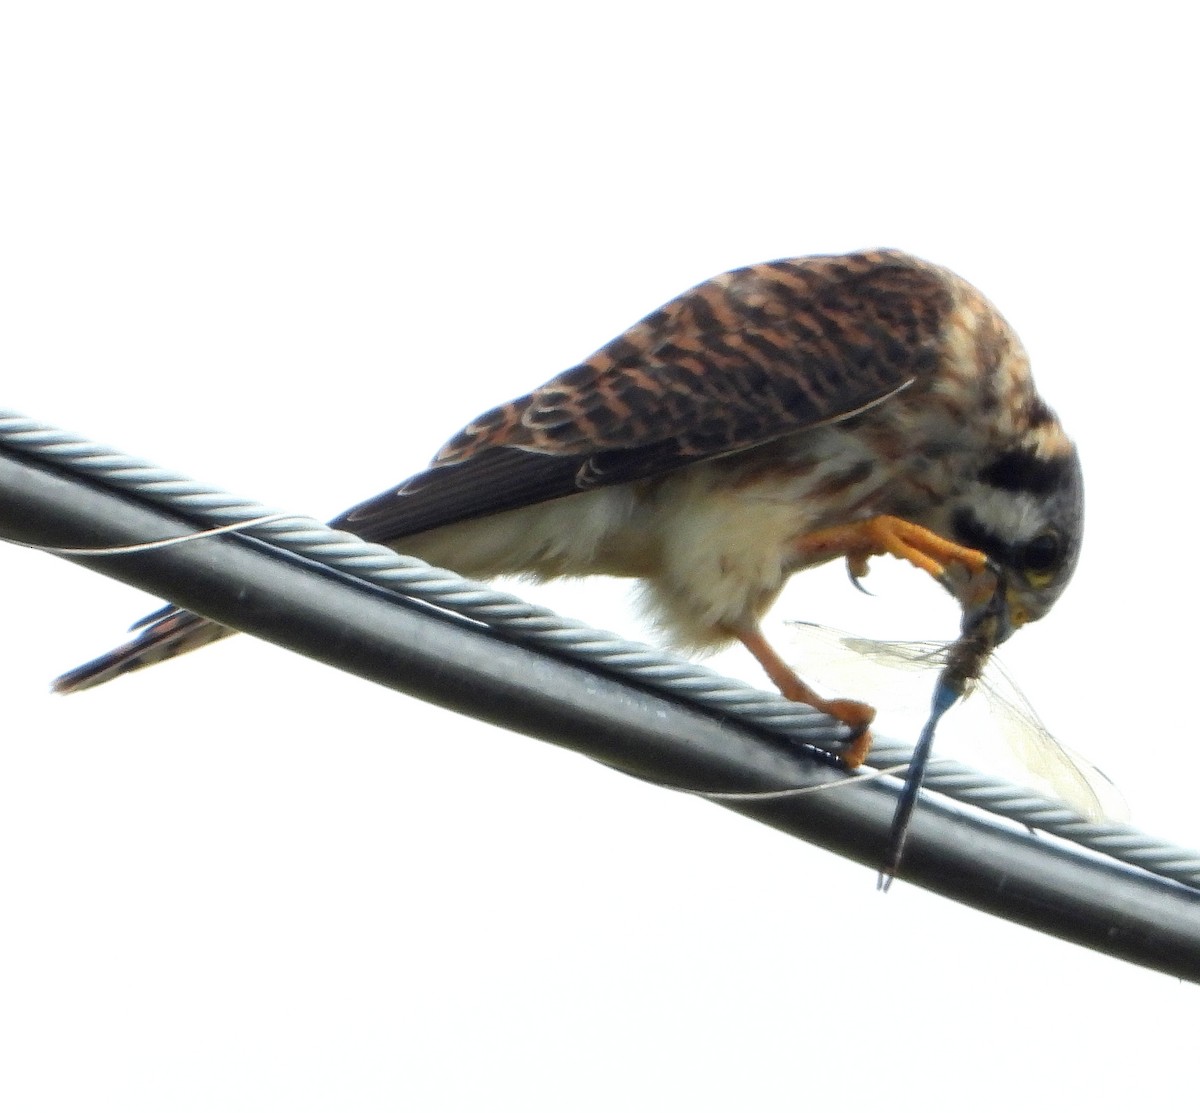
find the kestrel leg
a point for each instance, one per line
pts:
(858, 541)
(856, 715)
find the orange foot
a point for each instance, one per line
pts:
(856, 715)
(857, 541)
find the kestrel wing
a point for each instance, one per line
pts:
(743, 359)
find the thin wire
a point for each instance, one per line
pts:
(541, 627)
(147, 546)
(859, 777)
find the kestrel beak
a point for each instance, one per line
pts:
(992, 608)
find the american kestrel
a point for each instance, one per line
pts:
(768, 420)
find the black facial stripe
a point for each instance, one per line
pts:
(1021, 470)
(971, 532)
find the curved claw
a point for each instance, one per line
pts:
(856, 569)
(857, 749)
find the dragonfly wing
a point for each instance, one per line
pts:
(888, 674)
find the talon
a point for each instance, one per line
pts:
(858, 716)
(856, 568)
(856, 750)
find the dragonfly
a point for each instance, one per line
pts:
(1000, 719)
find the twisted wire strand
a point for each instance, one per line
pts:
(541, 627)
(414, 578)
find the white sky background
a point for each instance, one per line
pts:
(289, 249)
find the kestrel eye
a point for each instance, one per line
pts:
(1042, 555)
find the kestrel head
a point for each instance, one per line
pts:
(1025, 511)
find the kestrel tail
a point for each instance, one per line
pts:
(770, 419)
